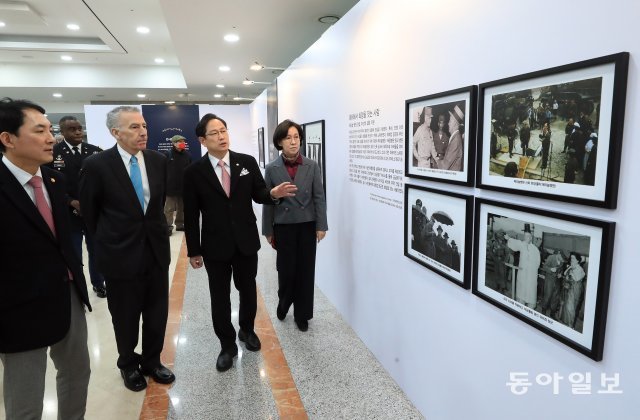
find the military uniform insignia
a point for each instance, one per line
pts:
(58, 163)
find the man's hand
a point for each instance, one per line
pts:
(286, 189)
(196, 262)
(76, 206)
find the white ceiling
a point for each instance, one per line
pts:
(111, 62)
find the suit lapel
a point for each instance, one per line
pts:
(15, 193)
(207, 171)
(56, 195)
(121, 174)
(301, 176)
(236, 168)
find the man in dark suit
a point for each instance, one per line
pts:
(42, 287)
(122, 194)
(229, 241)
(68, 156)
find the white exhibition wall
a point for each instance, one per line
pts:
(450, 351)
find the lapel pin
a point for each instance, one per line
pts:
(53, 180)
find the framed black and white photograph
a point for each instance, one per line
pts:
(440, 136)
(551, 270)
(437, 231)
(313, 146)
(555, 133)
(261, 156)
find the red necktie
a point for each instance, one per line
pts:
(41, 203)
(44, 209)
(226, 180)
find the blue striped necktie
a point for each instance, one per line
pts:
(136, 180)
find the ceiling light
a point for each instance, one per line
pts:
(159, 60)
(220, 86)
(57, 95)
(141, 95)
(237, 98)
(224, 68)
(73, 27)
(2, 24)
(257, 67)
(231, 38)
(246, 81)
(142, 30)
(66, 58)
(217, 95)
(329, 19)
(169, 102)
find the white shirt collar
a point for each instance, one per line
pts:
(214, 160)
(21, 175)
(126, 155)
(70, 146)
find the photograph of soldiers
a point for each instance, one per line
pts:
(554, 124)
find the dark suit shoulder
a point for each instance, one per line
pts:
(91, 148)
(50, 173)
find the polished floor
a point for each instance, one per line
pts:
(324, 373)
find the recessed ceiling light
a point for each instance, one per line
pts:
(329, 19)
(224, 68)
(142, 30)
(73, 27)
(169, 102)
(231, 38)
(57, 95)
(66, 57)
(217, 95)
(220, 86)
(141, 95)
(159, 60)
(256, 66)
(247, 82)
(2, 24)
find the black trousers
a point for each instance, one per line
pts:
(244, 269)
(147, 295)
(296, 263)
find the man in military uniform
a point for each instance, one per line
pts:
(68, 156)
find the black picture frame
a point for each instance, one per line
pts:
(313, 146)
(261, 156)
(567, 301)
(584, 165)
(447, 254)
(439, 155)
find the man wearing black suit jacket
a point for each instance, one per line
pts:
(122, 194)
(221, 186)
(42, 288)
(68, 156)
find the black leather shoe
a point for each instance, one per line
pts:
(281, 313)
(101, 292)
(251, 340)
(225, 359)
(160, 374)
(303, 325)
(133, 379)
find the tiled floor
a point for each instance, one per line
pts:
(325, 373)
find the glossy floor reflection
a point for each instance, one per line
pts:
(324, 373)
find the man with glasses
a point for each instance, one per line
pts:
(221, 187)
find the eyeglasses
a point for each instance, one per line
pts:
(216, 133)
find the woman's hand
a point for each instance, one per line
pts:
(320, 234)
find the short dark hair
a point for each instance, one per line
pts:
(12, 115)
(201, 128)
(65, 119)
(282, 131)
